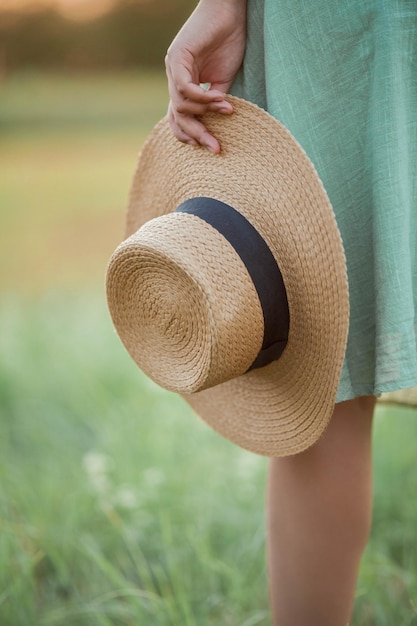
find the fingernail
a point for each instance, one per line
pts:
(212, 149)
(224, 110)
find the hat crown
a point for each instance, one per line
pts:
(184, 304)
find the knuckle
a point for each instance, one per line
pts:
(180, 89)
(182, 108)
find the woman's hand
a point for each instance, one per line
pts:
(209, 48)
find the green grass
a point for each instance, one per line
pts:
(387, 590)
(118, 506)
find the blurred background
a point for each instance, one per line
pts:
(81, 85)
(117, 505)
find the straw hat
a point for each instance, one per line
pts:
(231, 286)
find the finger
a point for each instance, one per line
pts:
(196, 93)
(188, 107)
(182, 86)
(195, 129)
(179, 133)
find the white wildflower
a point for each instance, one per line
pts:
(97, 466)
(125, 497)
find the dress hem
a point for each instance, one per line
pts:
(368, 390)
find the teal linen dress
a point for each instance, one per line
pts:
(342, 76)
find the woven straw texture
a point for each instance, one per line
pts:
(173, 316)
(262, 172)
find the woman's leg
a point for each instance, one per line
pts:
(319, 517)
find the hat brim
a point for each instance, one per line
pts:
(263, 172)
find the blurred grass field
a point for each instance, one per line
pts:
(67, 153)
(118, 507)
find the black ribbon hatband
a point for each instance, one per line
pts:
(261, 265)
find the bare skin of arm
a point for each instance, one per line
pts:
(209, 48)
